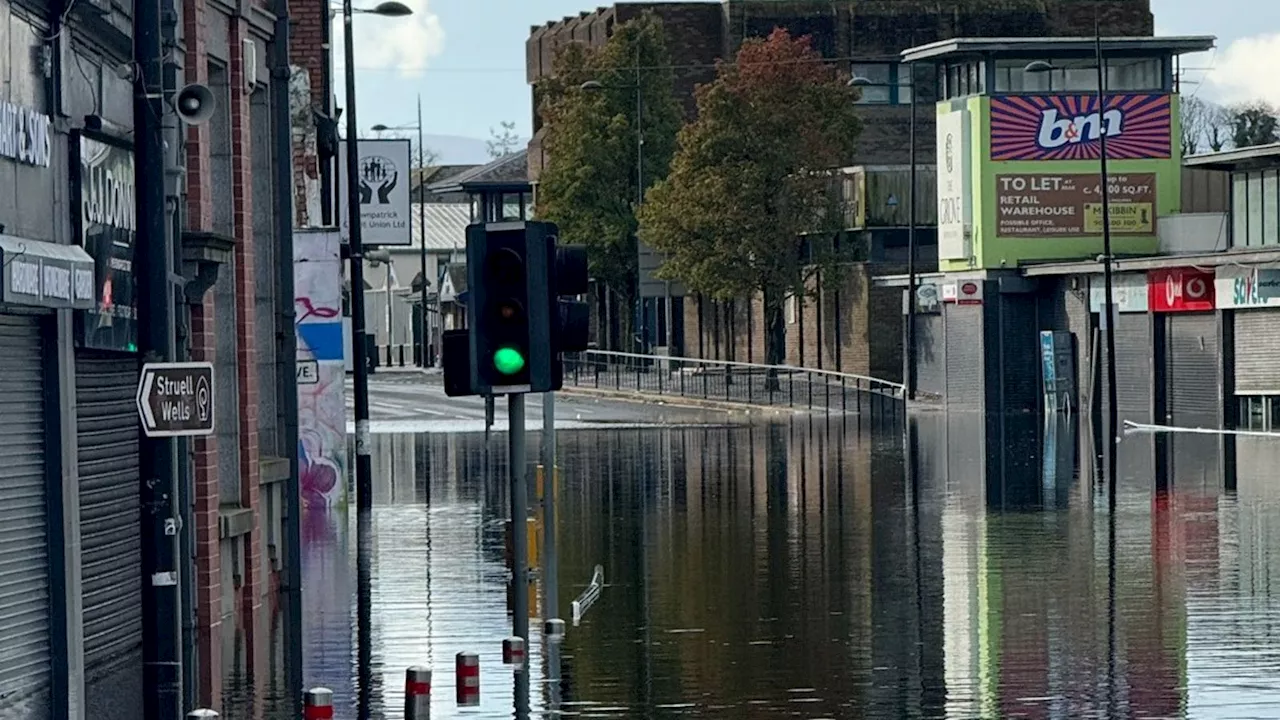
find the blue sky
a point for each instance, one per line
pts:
(466, 58)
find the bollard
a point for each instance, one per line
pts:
(317, 704)
(467, 672)
(202, 714)
(417, 693)
(513, 651)
(553, 630)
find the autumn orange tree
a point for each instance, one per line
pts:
(747, 206)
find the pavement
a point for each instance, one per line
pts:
(411, 400)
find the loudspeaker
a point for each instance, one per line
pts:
(194, 104)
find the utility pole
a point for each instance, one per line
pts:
(161, 631)
(551, 563)
(519, 518)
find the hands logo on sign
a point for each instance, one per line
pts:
(377, 174)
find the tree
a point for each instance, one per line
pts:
(1195, 124)
(502, 144)
(748, 199)
(1253, 123)
(590, 185)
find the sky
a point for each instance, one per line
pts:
(465, 58)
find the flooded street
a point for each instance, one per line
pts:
(803, 568)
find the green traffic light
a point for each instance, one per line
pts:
(509, 361)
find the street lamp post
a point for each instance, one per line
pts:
(422, 225)
(360, 367)
(910, 374)
(1110, 418)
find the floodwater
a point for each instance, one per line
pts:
(808, 569)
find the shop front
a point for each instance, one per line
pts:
(37, 278)
(1134, 390)
(1252, 295)
(106, 376)
(1188, 370)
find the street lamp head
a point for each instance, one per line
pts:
(391, 8)
(859, 81)
(379, 128)
(591, 85)
(1039, 66)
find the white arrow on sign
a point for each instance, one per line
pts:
(144, 392)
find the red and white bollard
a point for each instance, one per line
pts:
(513, 652)
(317, 704)
(417, 693)
(467, 672)
(553, 630)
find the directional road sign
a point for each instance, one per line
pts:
(176, 399)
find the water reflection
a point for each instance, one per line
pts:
(968, 570)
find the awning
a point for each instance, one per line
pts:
(45, 274)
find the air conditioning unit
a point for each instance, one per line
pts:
(249, 58)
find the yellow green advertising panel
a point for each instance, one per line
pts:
(1019, 181)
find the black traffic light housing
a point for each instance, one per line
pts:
(517, 323)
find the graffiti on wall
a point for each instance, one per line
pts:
(322, 426)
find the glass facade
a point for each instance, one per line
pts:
(1076, 75)
(890, 83)
(1259, 413)
(1255, 209)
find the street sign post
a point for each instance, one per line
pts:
(176, 399)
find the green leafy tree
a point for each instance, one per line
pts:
(590, 186)
(748, 206)
(1253, 123)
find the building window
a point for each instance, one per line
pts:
(1079, 75)
(962, 79)
(890, 83)
(1239, 209)
(1255, 209)
(1259, 413)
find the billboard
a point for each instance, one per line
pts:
(955, 200)
(1238, 287)
(384, 174)
(1069, 127)
(1038, 205)
(1181, 290)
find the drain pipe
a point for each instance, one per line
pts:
(287, 350)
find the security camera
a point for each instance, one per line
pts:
(194, 104)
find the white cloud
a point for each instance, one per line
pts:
(1246, 70)
(405, 44)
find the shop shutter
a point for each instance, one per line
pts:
(1193, 368)
(24, 547)
(107, 435)
(1079, 322)
(1257, 349)
(1192, 373)
(964, 326)
(931, 354)
(1133, 366)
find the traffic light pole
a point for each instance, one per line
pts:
(519, 518)
(551, 563)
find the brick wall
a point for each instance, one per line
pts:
(208, 560)
(246, 328)
(859, 328)
(309, 60)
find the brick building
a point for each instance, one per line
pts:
(866, 37)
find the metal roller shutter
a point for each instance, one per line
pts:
(1133, 367)
(1257, 347)
(963, 324)
(1193, 368)
(931, 354)
(24, 546)
(107, 434)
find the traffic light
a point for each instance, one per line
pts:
(517, 323)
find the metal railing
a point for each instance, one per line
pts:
(736, 382)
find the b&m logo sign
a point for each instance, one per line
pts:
(1069, 127)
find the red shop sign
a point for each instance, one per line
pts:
(1180, 290)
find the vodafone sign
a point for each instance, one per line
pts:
(1180, 290)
